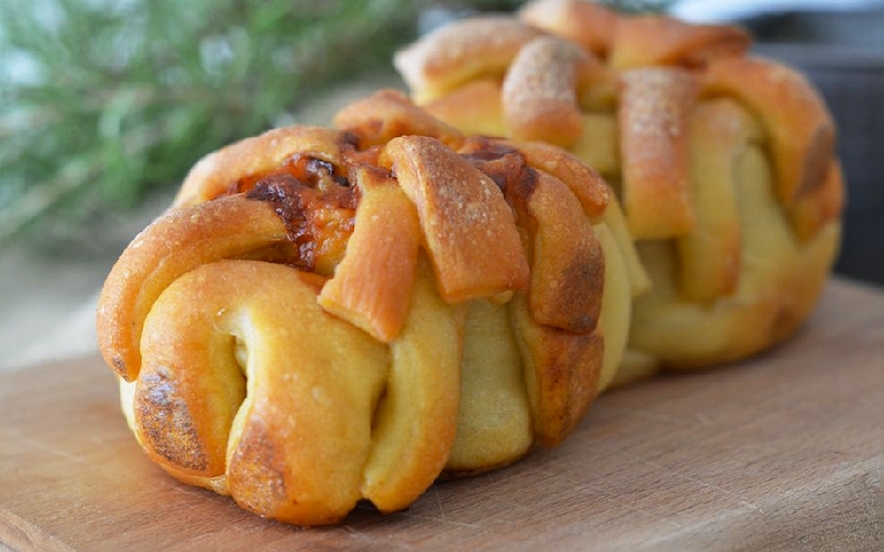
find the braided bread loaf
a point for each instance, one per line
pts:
(330, 315)
(724, 162)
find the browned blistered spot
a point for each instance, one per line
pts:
(579, 296)
(816, 161)
(286, 194)
(166, 423)
(257, 470)
(350, 140)
(570, 366)
(120, 365)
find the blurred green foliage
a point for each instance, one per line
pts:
(104, 100)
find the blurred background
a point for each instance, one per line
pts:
(105, 104)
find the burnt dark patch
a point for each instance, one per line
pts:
(349, 138)
(318, 169)
(290, 199)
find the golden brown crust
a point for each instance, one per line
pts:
(559, 395)
(540, 90)
(475, 108)
(654, 115)
(584, 182)
(311, 306)
(215, 174)
(711, 256)
(656, 40)
(821, 206)
(585, 23)
(693, 116)
(567, 271)
(635, 41)
(325, 397)
(371, 287)
(446, 57)
(387, 114)
(177, 242)
(799, 129)
(780, 283)
(468, 227)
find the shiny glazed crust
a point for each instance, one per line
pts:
(683, 123)
(325, 316)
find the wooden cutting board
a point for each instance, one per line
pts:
(780, 453)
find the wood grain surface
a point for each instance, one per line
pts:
(783, 452)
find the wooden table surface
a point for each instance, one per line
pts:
(783, 452)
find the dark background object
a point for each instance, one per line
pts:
(843, 54)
